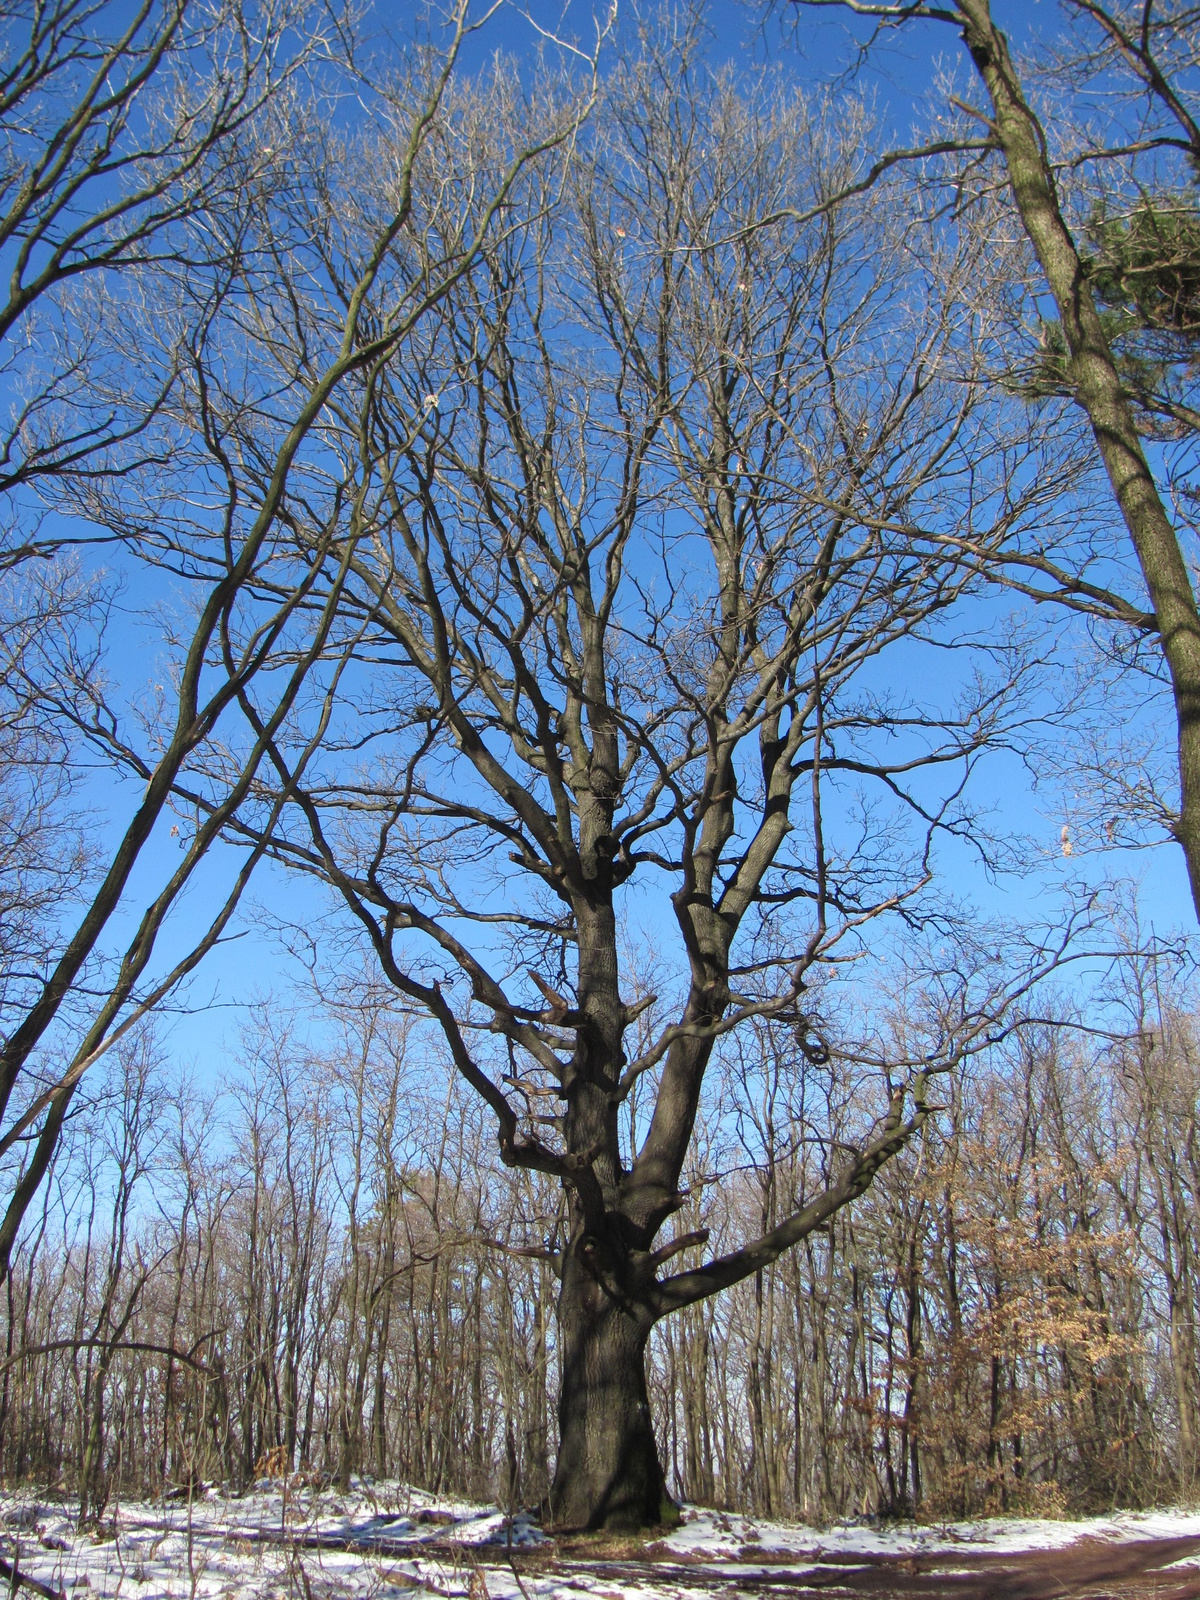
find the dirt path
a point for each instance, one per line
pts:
(1089, 1570)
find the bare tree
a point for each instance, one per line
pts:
(1150, 50)
(120, 129)
(82, 998)
(630, 539)
(117, 126)
(1011, 1307)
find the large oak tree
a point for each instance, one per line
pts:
(654, 616)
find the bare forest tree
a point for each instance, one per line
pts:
(571, 509)
(170, 163)
(1110, 217)
(1005, 1321)
(619, 547)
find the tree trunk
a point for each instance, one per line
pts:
(1098, 390)
(608, 1473)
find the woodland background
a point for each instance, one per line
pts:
(303, 1254)
(1008, 1320)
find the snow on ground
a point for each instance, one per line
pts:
(282, 1541)
(717, 1536)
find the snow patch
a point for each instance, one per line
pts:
(291, 1541)
(721, 1535)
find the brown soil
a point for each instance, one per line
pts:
(1089, 1570)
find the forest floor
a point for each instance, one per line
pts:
(288, 1542)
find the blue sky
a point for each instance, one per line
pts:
(234, 980)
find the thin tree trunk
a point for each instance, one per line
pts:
(1099, 391)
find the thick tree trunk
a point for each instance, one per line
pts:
(608, 1473)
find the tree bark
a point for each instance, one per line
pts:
(608, 1473)
(1099, 391)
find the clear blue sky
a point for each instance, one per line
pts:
(899, 79)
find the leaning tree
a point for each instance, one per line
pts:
(176, 158)
(654, 636)
(1107, 207)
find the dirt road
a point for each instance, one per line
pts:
(1088, 1570)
